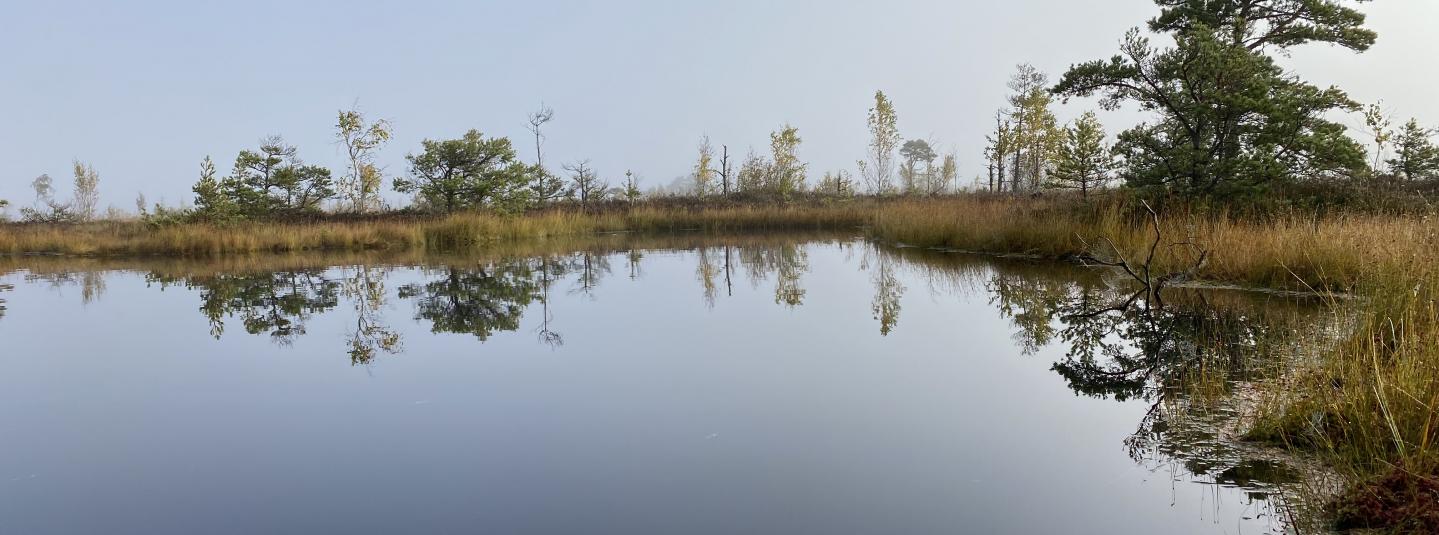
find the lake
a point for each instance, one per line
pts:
(630, 384)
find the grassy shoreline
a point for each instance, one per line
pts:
(133, 238)
(1368, 407)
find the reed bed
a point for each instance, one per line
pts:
(437, 233)
(1299, 252)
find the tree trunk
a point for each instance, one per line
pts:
(724, 169)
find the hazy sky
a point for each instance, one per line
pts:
(144, 90)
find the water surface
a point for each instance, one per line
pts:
(684, 384)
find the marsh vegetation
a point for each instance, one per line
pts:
(1242, 174)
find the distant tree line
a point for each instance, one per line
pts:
(1225, 122)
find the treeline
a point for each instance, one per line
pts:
(1226, 123)
(1226, 120)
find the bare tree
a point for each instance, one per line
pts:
(1142, 271)
(724, 170)
(1000, 144)
(537, 119)
(545, 186)
(587, 184)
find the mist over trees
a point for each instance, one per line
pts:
(81, 208)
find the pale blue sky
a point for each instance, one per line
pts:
(143, 90)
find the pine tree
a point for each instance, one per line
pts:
(212, 201)
(1084, 161)
(1415, 156)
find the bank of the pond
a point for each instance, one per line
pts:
(121, 238)
(1369, 406)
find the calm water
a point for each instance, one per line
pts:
(671, 385)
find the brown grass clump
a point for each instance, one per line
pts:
(1399, 502)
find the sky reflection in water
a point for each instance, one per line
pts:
(670, 385)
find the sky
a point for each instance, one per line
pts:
(143, 90)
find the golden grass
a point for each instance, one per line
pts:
(1290, 252)
(440, 233)
(1370, 405)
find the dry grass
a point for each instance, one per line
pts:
(1370, 405)
(441, 233)
(1338, 252)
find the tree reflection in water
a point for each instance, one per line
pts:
(553, 268)
(278, 303)
(365, 287)
(1189, 359)
(478, 300)
(281, 303)
(888, 290)
(787, 262)
(91, 282)
(590, 268)
(4, 288)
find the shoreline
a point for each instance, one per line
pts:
(1373, 393)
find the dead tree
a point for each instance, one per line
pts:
(724, 168)
(1151, 286)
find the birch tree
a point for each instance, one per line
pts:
(703, 173)
(787, 172)
(87, 191)
(360, 186)
(883, 140)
